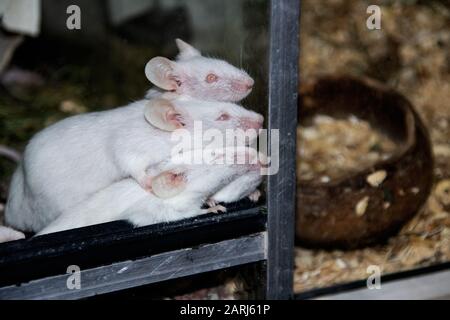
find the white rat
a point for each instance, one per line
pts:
(72, 159)
(196, 76)
(177, 193)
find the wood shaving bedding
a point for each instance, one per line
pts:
(411, 53)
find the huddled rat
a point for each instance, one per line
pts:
(177, 192)
(196, 76)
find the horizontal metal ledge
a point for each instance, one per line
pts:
(426, 287)
(90, 247)
(160, 267)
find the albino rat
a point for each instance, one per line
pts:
(72, 159)
(196, 76)
(178, 192)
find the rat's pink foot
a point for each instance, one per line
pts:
(215, 209)
(255, 195)
(211, 202)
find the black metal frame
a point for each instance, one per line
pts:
(195, 245)
(283, 87)
(114, 256)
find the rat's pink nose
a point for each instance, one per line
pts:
(249, 83)
(250, 123)
(243, 85)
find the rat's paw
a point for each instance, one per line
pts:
(215, 209)
(146, 183)
(211, 202)
(8, 234)
(255, 195)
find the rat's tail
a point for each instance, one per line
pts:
(9, 234)
(10, 153)
(6, 233)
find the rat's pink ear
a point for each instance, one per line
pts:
(162, 114)
(160, 72)
(186, 50)
(168, 184)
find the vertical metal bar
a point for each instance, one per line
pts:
(283, 84)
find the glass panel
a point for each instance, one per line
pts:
(364, 164)
(86, 56)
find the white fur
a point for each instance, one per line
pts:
(69, 161)
(240, 188)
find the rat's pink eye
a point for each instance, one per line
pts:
(210, 78)
(223, 117)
